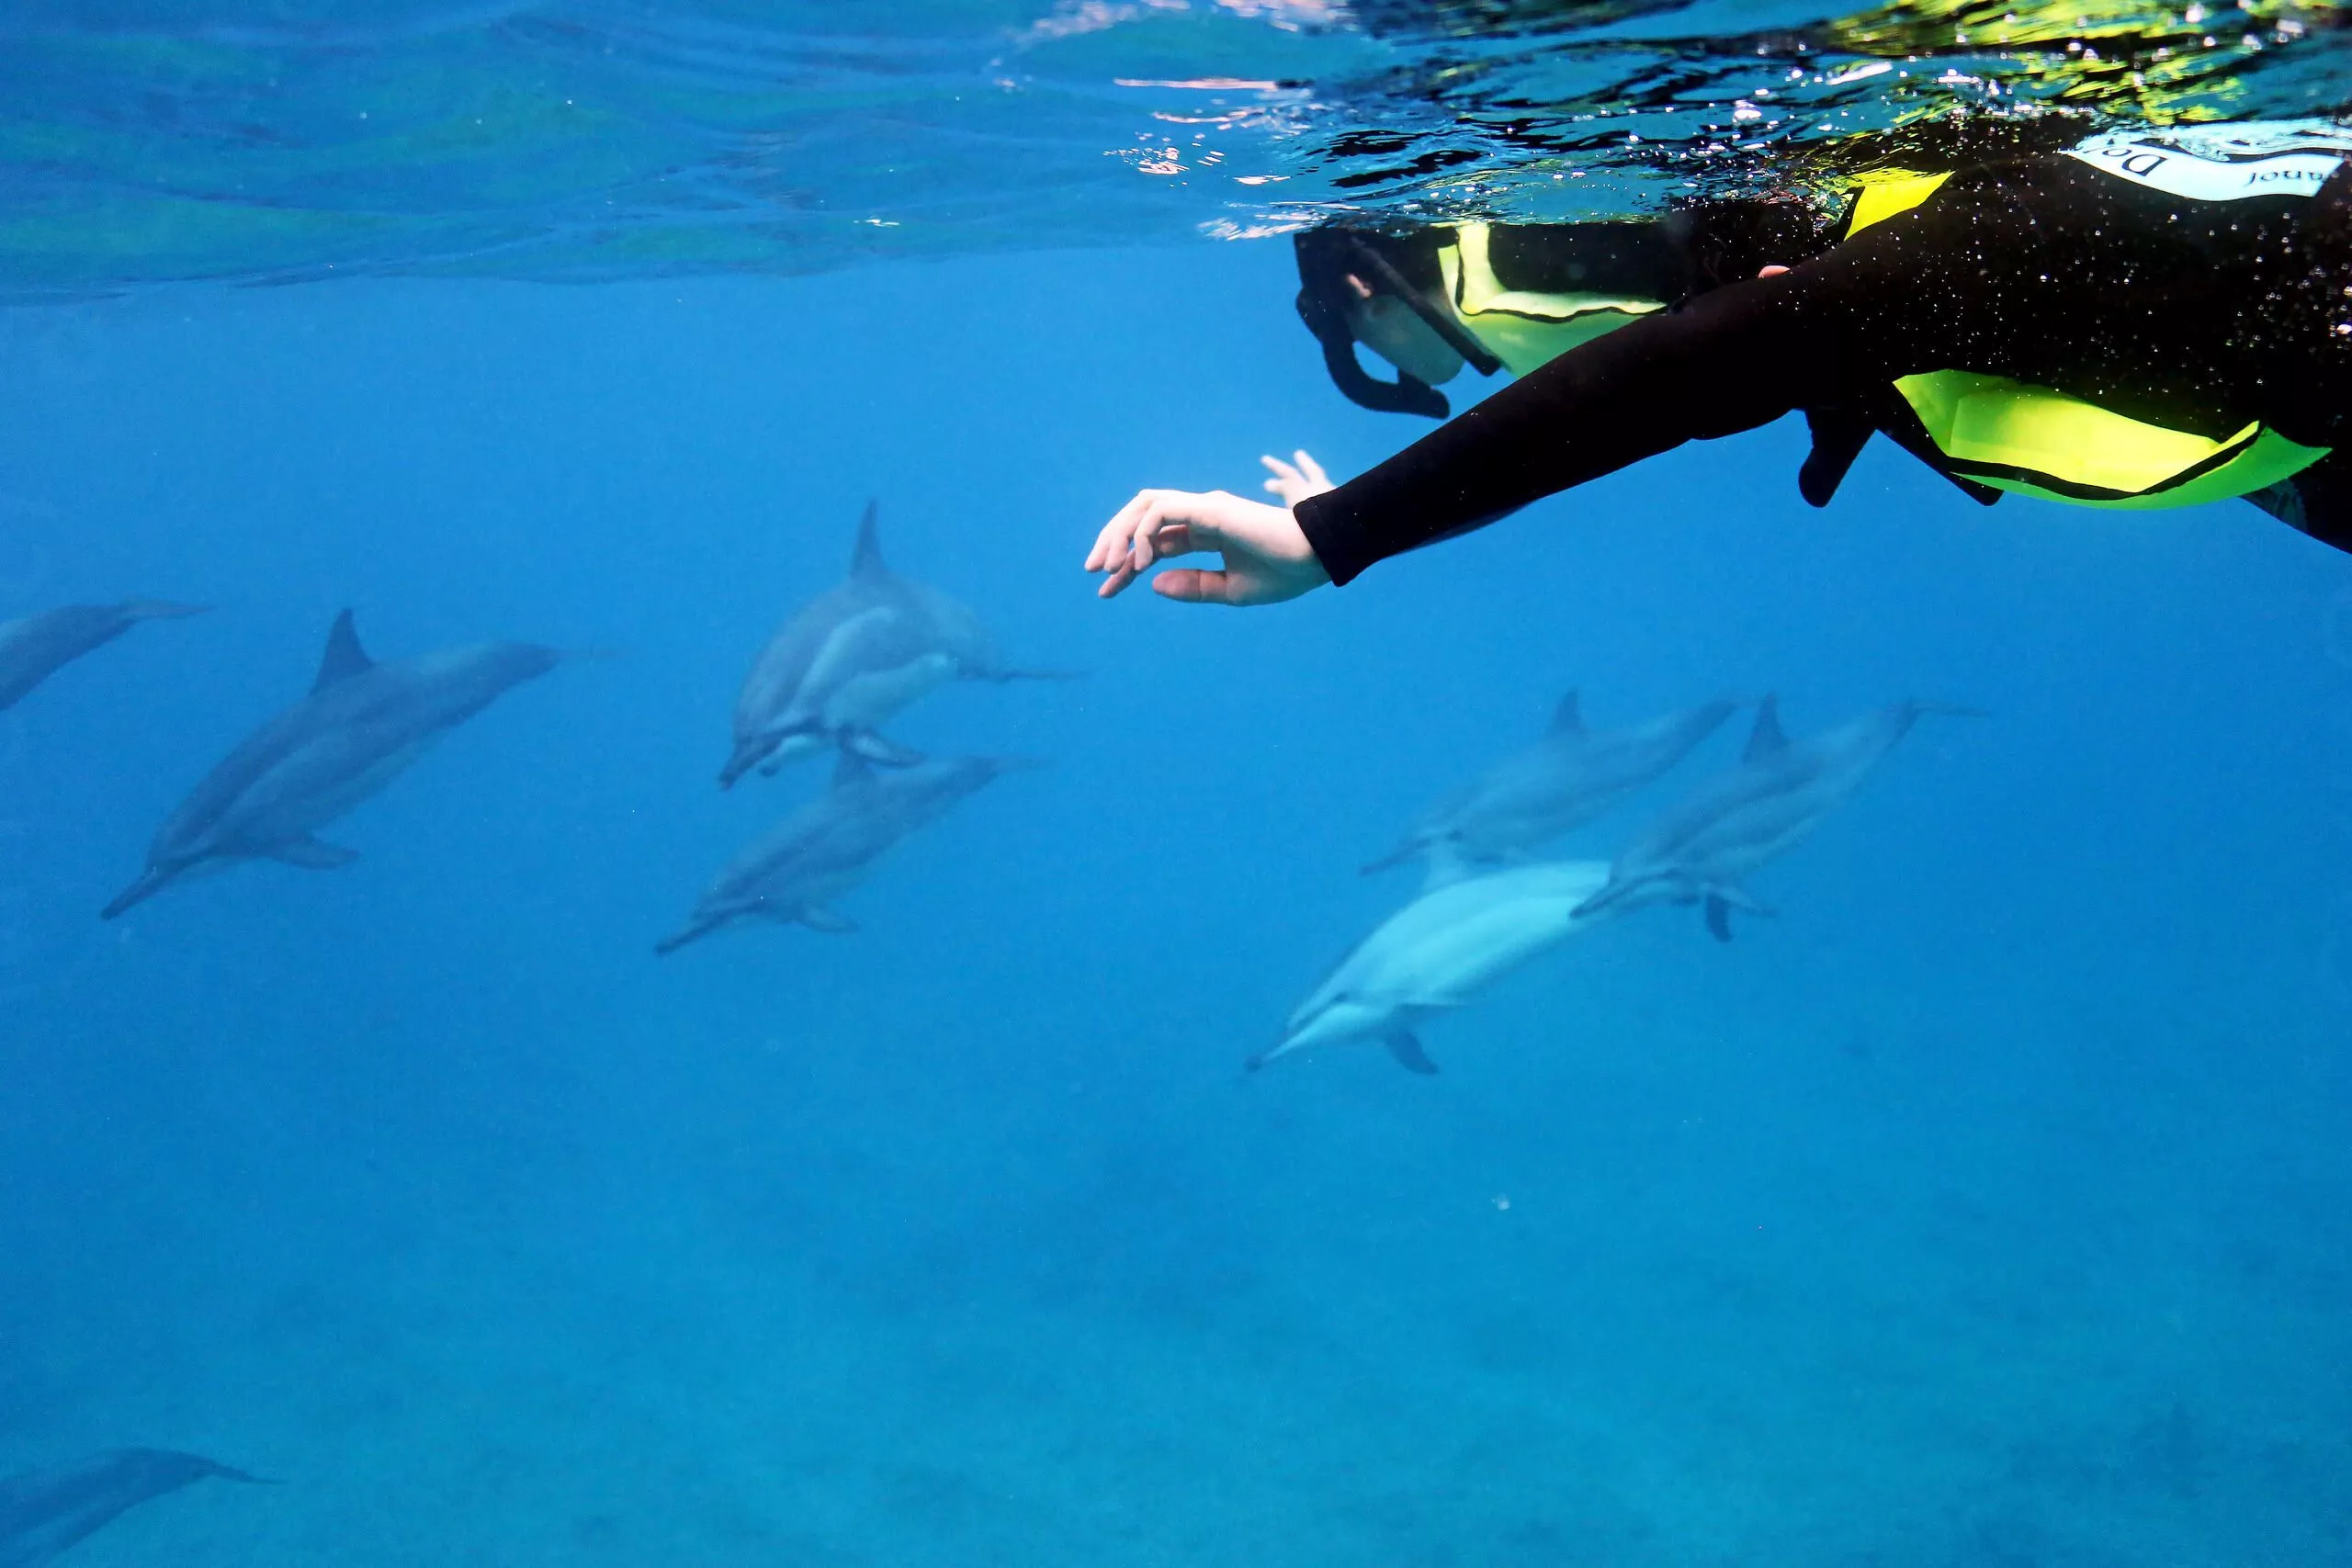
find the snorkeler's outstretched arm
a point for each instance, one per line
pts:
(1726, 361)
(1267, 559)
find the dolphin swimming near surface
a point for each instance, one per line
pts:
(361, 725)
(849, 659)
(1439, 952)
(43, 1513)
(1564, 779)
(827, 847)
(35, 646)
(1700, 850)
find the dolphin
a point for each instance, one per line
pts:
(35, 646)
(850, 658)
(361, 725)
(1564, 779)
(43, 1513)
(827, 847)
(1440, 951)
(1699, 851)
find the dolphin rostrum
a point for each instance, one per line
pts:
(43, 1513)
(37, 647)
(849, 659)
(361, 725)
(1700, 850)
(1564, 779)
(1440, 951)
(827, 847)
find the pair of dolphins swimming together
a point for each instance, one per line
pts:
(836, 669)
(1471, 926)
(830, 676)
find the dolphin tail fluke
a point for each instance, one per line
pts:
(151, 882)
(680, 938)
(159, 610)
(219, 1472)
(1406, 1046)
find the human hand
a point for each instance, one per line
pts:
(1296, 483)
(1267, 558)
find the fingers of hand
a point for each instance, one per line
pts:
(1112, 542)
(1312, 469)
(1190, 585)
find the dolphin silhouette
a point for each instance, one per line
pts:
(35, 646)
(44, 1512)
(1700, 850)
(1564, 779)
(846, 662)
(827, 847)
(1438, 952)
(361, 725)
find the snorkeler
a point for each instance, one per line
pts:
(2146, 320)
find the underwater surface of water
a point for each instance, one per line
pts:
(1984, 1206)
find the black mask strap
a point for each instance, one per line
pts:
(1407, 394)
(1433, 312)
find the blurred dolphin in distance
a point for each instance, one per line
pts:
(360, 727)
(1564, 779)
(1700, 850)
(848, 660)
(35, 646)
(1460, 935)
(46, 1511)
(826, 848)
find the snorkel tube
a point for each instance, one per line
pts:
(1326, 257)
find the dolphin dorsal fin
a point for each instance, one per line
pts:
(1568, 717)
(866, 560)
(344, 658)
(1766, 739)
(850, 771)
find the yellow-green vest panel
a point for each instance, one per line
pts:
(1523, 329)
(2017, 436)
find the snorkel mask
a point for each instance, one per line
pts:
(1326, 259)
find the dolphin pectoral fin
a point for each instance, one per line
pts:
(1395, 857)
(1406, 1047)
(1718, 919)
(830, 921)
(151, 882)
(1740, 898)
(875, 749)
(313, 854)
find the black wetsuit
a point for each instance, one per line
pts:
(2200, 316)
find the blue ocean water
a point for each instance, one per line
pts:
(1984, 1207)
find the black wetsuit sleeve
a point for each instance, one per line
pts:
(2045, 271)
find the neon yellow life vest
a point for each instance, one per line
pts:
(2017, 436)
(1524, 329)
